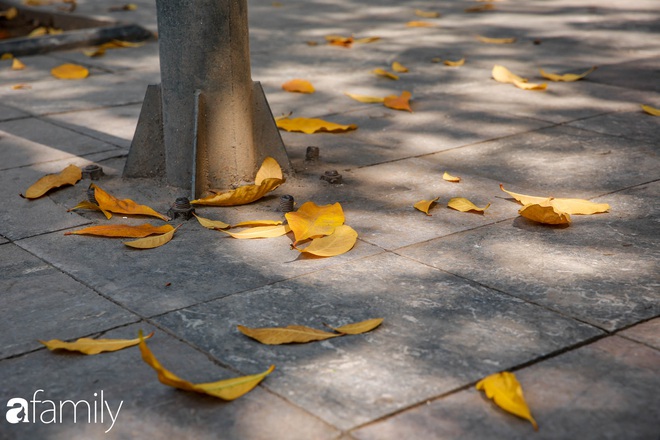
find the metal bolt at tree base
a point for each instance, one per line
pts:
(286, 203)
(332, 177)
(181, 209)
(312, 154)
(92, 172)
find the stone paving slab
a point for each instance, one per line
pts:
(8, 113)
(647, 333)
(30, 140)
(557, 161)
(593, 392)
(149, 409)
(27, 316)
(37, 68)
(116, 60)
(601, 269)
(635, 125)
(440, 332)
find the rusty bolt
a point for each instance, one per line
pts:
(312, 154)
(92, 172)
(286, 203)
(332, 177)
(181, 208)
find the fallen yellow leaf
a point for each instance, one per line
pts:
(545, 212)
(38, 32)
(228, 389)
(10, 13)
(85, 204)
(17, 64)
(338, 40)
(93, 346)
(6, 56)
(426, 14)
(312, 125)
(449, 178)
(496, 40)
(464, 205)
(651, 110)
(211, 224)
(269, 169)
(339, 242)
(152, 242)
(261, 232)
(504, 75)
(359, 327)
(366, 40)
(365, 98)
(298, 86)
(567, 77)
(311, 220)
(398, 102)
(457, 63)
(257, 223)
(119, 230)
(268, 178)
(530, 86)
(480, 8)
(114, 44)
(21, 87)
(398, 67)
(292, 334)
(69, 71)
(506, 392)
(569, 206)
(68, 176)
(385, 73)
(419, 24)
(110, 204)
(425, 205)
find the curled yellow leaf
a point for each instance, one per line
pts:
(506, 392)
(398, 67)
(21, 86)
(119, 230)
(385, 73)
(257, 223)
(504, 75)
(651, 110)
(292, 334)
(496, 40)
(312, 125)
(241, 195)
(569, 206)
(338, 40)
(339, 242)
(419, 24)
(16, 64)
(312, 220)
(359, 327)
(366, 40)
(425, 205)
(211, 224)
(298, 86)
(456, 63)
(480, 8)
(364, 98)
(530, 86)
(6, 56)
(261, 232)
(109, 203)
(449, 178)
(398, 102)
(228, 389)
(464, 205)
(567, 77)
(545, 212)
(152, 242)
(10, 13)
(70, 71)
(68, 176)
(85, 204)
(269, 169)
(93, 346)
(426, 14)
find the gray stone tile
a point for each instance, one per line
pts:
(602, 269)
(31, 140)
(23, 218)
(635, 125)
(7, 113)
(636, 74)
(34, 293)
(440, 332)
(117, 60)
(3, 240)
(96, 91)
(37, 69)
(560, 161)
(593, 392)
(115, 125)
(149, 409)
(647, 333)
